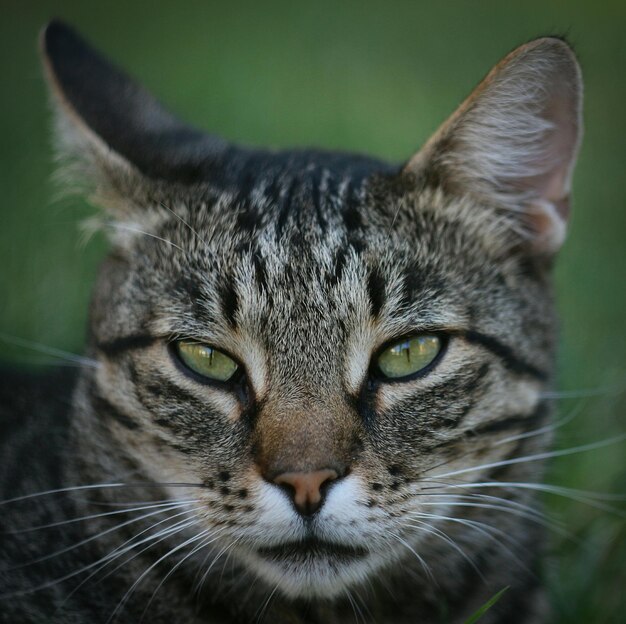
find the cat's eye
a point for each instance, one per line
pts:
(206, 361)
(409, 356)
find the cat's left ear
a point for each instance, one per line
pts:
(116, 141)
(513, 142)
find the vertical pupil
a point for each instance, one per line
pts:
(207, 354)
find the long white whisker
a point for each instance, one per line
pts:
(583, 392)
(504, 509)
(131, 544)
(428, 528)
(152, 540)
(91, 538)
(57, 353)
(56, 581)
(167, 505)
(98, 486)
(503, 501)
(483, 528)
(129, 228)
(211, 537)
(194, 232)
(423, 563)
(127, 595)
(538, 456)
(588, 498)
(358, 615)
(574, 413)
(215, 560)
(266, 604)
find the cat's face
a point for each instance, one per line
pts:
(305, 312)
(252, 327)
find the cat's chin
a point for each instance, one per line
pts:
(311, 568)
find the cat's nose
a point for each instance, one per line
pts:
(307, 489)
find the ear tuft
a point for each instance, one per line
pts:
(113, 131)
(514, 141)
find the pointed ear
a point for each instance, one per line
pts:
(115, 136)
(514, 141)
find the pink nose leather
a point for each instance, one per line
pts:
(306, 488)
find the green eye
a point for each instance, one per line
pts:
(409, 356)
(206, 361)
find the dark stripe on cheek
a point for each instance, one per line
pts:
(376, 291)
(516, 421)
(260, 273)
(505, 353)
(126, 343)
(457, 397)
(248, 220)
(334, 277)
(230, 302)
(105, 408)
(522, 423)
(282, 196)
(352, 219)
(164, 390)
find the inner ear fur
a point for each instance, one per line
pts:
(513, 142)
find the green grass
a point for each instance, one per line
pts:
(365, 76)
(475, 617)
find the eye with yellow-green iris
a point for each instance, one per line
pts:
(409, 356)
(206, 361)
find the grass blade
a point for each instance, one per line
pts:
(476, 616)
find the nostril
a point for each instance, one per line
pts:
(307, 489)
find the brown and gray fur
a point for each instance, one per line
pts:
(301, 265)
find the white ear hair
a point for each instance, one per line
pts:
(514, 141)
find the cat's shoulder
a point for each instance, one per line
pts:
(21, 390)
(34, 419)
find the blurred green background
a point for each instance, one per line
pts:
(362, 76)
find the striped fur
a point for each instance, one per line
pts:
(301, 265)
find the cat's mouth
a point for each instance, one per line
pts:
(312, 548)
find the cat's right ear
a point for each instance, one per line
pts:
(114, 139)
(513, 143)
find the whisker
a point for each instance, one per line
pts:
(583, 392)
(71, 358)
(420, 559)
(129, 545)
(98, 486)
(592, 499)
(127, 595)
(483, 528)
(428, 528)
(358, 615)
(53, 582)
(504, 501)
(129, 228)
(266, 604)
(211, 537)
(215, 560)
(538, 456)
(166, 505)
(515, 512)
(561, 422)
(91, 538)
(194, 232)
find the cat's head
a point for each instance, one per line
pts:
(323, 340)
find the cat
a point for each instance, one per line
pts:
(315, 382)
